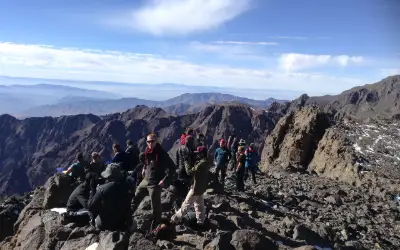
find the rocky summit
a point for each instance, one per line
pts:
(329, 180)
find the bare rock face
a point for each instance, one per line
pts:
(295, 138)
(335, 157)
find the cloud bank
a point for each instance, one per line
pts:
(93, 65)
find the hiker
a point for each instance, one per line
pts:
(93, 172)
(77, 170)
(221, 158)
(78, 199)
(240, 168)
(184, 156)
(188, 132)
(120, 157)
(110, 207)
(242, 142)
(251, 164)
(136, 174)
(201, 140)
(158, 171)
(233, 149)
(132, 153)
(195, 196)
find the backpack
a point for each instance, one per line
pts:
(251, 158)
(183, 138)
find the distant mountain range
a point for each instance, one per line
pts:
(186, 103)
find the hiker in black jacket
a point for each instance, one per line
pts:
(110, 206)
(132, 153)
(158, 172)
(78, 199)
(121, 158)
(185, 156)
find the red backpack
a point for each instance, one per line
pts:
(183, 138)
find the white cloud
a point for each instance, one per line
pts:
(180, 17)
(295, 62)
(40, 61)
(246, 43)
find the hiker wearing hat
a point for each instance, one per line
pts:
(158, 171)
(195, 196)
(251, 164)
(111, 205)
(221, 158)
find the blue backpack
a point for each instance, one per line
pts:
(251, 158)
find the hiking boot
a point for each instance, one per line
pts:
(175, 219)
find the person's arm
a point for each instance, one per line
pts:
(215, 155)
(239, 165)
(69, 170)
(169, 168)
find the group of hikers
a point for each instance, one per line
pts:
(109, 193)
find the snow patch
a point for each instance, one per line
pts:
(357, 148)
(93, 246)
(59, 210)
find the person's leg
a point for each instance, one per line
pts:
(187, 203)
(155, 197)
(217, 169)
(200, 209)
(141, 192)
(241, 180)
(253, 172)
(223, 174)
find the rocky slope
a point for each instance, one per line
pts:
(357, 151)
(283, 211)
(31, 149)
(381, 99)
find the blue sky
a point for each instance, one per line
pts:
(310, 45)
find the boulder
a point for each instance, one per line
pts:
(251, 240)
(221, 242)
(113, 241)
(58, 189)
(138, 241)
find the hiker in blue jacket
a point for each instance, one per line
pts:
(221, 159)
(251, 164)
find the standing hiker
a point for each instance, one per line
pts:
(240, 169)
(221, 158)
(251, 164)
(132, 152)
(158, 171)
(195, 196)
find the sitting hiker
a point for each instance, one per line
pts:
(136, 174)
(251, 164)
(110, 206)
(195, 196)
(221, 157)
(132, 153)
(78, 199)
(120, 157)
(158, 171)
(77, 170)
(240, 169)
